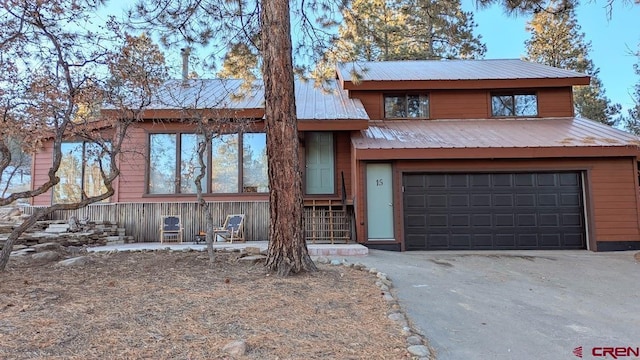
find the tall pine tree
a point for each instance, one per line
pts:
(632, 120)
(556, 40)
(407, 30)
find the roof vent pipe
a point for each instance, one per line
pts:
(185, 63)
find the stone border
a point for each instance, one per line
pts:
(417, 344)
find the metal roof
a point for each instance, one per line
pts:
(312, 102)
(498, 69)
(491, 133)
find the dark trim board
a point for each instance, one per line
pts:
(388, 247)
(617, 245)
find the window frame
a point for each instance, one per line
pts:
(84, 158)
(514, 95)
(208, 177)
(406, 96)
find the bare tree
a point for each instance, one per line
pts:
(54, 74)
(212, 119)
(266, 27)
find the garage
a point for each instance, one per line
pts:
(493, 211)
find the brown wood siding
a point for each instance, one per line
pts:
(470, 104)
(459, 104)
(555, 102)
(372, 102)
(343, 163)
(610, 187)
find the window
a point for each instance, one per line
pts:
(235, 163)
(406, 106)
(319, 177)
(79, 172)
(254, 163)
(514, 105)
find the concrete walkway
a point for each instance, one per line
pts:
(314, 249)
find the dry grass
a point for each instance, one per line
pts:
(160, 305)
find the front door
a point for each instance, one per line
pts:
(379, 202)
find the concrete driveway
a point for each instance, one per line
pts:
(518, 305)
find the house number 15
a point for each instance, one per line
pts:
(379, 182)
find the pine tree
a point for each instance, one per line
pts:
(632, 121)
(406, 30)
(556, 40)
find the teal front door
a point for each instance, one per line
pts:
(379, 202)
(320, 178)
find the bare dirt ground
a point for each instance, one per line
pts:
(172, 305)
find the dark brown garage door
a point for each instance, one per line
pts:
(493, 211)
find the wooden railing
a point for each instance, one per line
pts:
(327, 221)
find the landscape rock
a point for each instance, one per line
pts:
(46, 256)
(418, 350)
(235, 348)
(46, 246)
(322, 260)
(335, 262)
(253, 258)
(252, 250)
(76, 261)
(388, 297)
(414, 340)
(396, 317)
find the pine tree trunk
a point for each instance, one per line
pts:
(287, 248)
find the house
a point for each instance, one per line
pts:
(406, 155)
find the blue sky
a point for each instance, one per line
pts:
(611, 40)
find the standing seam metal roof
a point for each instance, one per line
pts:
(491, 133)
(425, 70)
(327, 102)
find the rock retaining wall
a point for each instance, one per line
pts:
(72, 233)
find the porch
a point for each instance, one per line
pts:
(314, 249)
(327, 221)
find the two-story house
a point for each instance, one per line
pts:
(406, 155)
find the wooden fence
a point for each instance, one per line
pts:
(142, 220)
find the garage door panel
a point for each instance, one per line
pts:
(505, 240)
(524, 180)
(494, 211)
(528, 241)
(478, 181)
(503, 199)
(415, 201)
(524, 200)
(436, 201)
(548, 200)
(570, 199)
(482, 200)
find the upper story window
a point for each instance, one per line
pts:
(514, 105)
(403, 106)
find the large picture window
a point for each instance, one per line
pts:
(514, 105)
(79, 172)
(234, 163)
(406, 106)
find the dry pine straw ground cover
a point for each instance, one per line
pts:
(172, 305)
